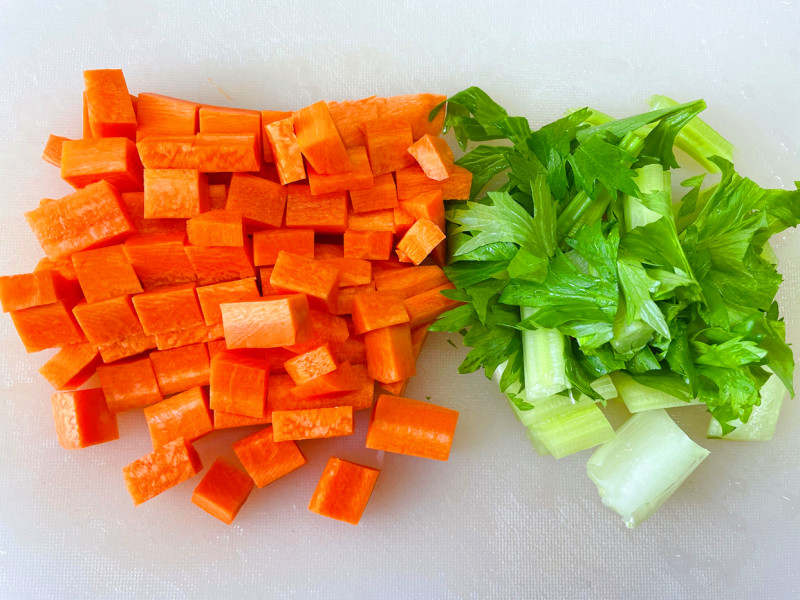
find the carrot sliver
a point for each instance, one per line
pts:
(46, 326)
(168, 309)
(238, 384)
(285, 150)
(352, 271)
(416, 109)
(82, 419)
(211, 296)
(387, 141)
(412, 281)
(350, 115)
(343, 491)
(114, 159)
(344, 301)
(341, 379)
(425, 307)
(109, 104)
(52, 149)
(318, 280)
(268, 117)
(376, 220)
(223, 491)
(390, 356)
(267, 460)
(319, 140)
(104, 273)
(179, 369)
(162, 115)
(419, 241)
(359, 178)
(129, 384)
(312, 423)
(374, 310)
(159, 259)
(382, 195)
(71, 366)
(162, 469)
(87, 128)
(261, 202)
(267, 244)
(134, 203)
(184, 415)
(108, 320)
(324, 213)
(309, 365)
(268, 323)
(433, 154)
(220, 263)
(457, 186)
(174, 193)
(216, 228)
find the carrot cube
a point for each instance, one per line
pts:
(359, 178)
(416, 110)
(71, 366)
(109, 104)
(126, 347)
(285, 150)
(220, 263)
(267, 460)
(382, 195)
(318, 280)
(264, 273)
(52, 149)
(341, 379)
(261, 202)
(350, 115)
(402, 221)
(411, 427)
(238, 384)
(323, 328)
(373, 310)
(418, 337)
(226, 152)
(343, 490)
(434, 156)
(159, 259)
(46, 326)
(211, 296)
(319, 140)
(219, 119)
(114, 159)
(268, 323)
(168, 152)
(324, 213)
(309, 365)
(267, 244)
(216, 228)
(325, 251)
(41, 287)
(427, 306)
(388, 140)
(344, 301)
(129, 384)
(166, 467)
(180, 369)
(179, 338)
(134, 203)
(268, 117)
(162, 115)
(82, 419)
(174, 193)
(353, 351)
(390, 356)
(104, 273)
(368, 245)
(458, 185)
(427, 205)
(168, 309)
(225, 420)
(312, 423)
(412, 181)
(223, 491)
(376, 220)
(412, 281)
(419, 241)
(108, 320)
(184, 415)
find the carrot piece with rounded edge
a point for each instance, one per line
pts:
(457, 186)
(425, 307)
(223, 491)
(220, 263)
(159, 259)
(52, 149)
(341, 379)
(352, 271)
(359, 178)
(418, 336)
(382, 195)
(325, 251)
(109, 104)
(353, 351)
(217, 196)
(216, 228)
(412, 181)
(266, 460)
(134, 203)
(317, 280)
(162, 115)
(87, 128)
(226, 420)
(411, 427)
(267, 244)
(82, 419)
(268, 117)
(85, 219)
(238, 384)
(268, 323)
(402, 221)
(129, 384)
(309, 365)
(41, 287)
(285, 150)
(323, 328)
(220, 119)
(368, 245)
(388, 140)
(126, 347)
(261, 202)
(319, 140)
(350, 115)
(114, 159)
(419, 241)
(174, 193)
(324, 213)
(374, 310)
(108, 320)
(344, 301)
(416, 110)
(46, 326)
(343, 490)
(180, 369)
(162, 469)
(211, 296)
(226, 152)
(433, 154)
(168, 309)
(376, 220)
(390, 356)
(184, 415)
(71, 366)
(312, 423)
(412, 281)
(104, 273)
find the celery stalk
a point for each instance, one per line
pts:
(760, 427)
(605, 387)
(543, 353)
(649, 179)
(639, 398)
(567, 427)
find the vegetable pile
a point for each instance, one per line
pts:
(584, 278)
(221, 268)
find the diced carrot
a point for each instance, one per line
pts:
(402, 221)
(309, 365)
(87, 128)
(276, 357)
(390, 356)
(352, 271)
(225, 420)
(168, 309)
(268, 117)
(216, 228)
(319, 140)
(433, 154)
(223, 491)
(63, 268)
(220, 263)
(268, 323)
(325, 213)
(279, 394)
(217, 196)
(71, 366)
(312, 423)
(46, 326)
(162, 115)
(344, 301)
(134, 203)
(425, 307)
(343, 490)
(388, 140)
(184, 415)
(427, 205)
(416, 109)
(126, 347)
(129, 384)
(374, 310)
(376, 220)
(324, 328)
(104, 273)
(114, 159)
(52, 149)
(219, 119)
(179, 338)
(84, 219)
(285, 150)
(457, 186)
(211, 296)
(369, 245)
(264, 273)
(180, 369)
(353, 351)
(108, 320)
(412, 181)
(382, 195)
(318, 280)
(360, 178)
(418, 336)
(326, 251)
(411, 427)
(261, 202)
(109, 104)
(412, 281)
(419, 241)
(41, 287)
(174, 193)
(82, 419)
(168, 152)
(267, 244)
(239, 384)
(267, 460)
(159, 259)
(166, 467)
(226, 152)
(341, 379)
(350, 115)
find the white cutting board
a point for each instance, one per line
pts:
(496, 521)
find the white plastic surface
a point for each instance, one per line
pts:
(496, 521)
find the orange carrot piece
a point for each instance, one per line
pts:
(368, 245)
(323, 328)
(376, 220)
(104, 273)
(416, 109)
(174, 193)
(412, 181)
(264, 273)
(109, 104)
(179, 338)
(280, 396)
(341, 379)
(159, 259)
(419, 241)
(268, 323)
(168, 309)
(52, 149)
(184, 415)
(276, 357)
(344, 301)
(359, 178)
(220, 263)
(390, 356)
(41, 287)
(352, 271)
(427, 306)
(168, 152)
(402, 221)
(350, 115)
(261, 202)
(267, 460)
(388, 140)
(411, 427)
(162, 469)
(374, 310)
(87, 128)
(211, 296)
(126, 347)
(216, 228)
(267, 244)
(309, 365)
(162, 115)
(239, 384)
(129, 384)
(82, 419)
(457, 186)
(427, 205)
(223, 491)
(217, 196)
(220, 119)
(62, 268)
(412, 281)
(325, 251)
(226, 152)
(418, 336)
(114, 159)
(90, 217)
(325, 213)
(108, 320)
(71, 366)
(134, 203)
(268, 117)
(353, 350)
(285, 150)
(319, 140)
(180, 369)
(47, 326)
(343, 490)
(225, 420)
(383, 194)
(318, 280)
(434, 156)
(312, 423)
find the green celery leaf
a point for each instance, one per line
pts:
(597, 160)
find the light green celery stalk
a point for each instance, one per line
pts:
(649, 179)
(544, 363)
(760, 427)
(526, 417)
(638, 470)
(640, 398)
(565, 427)
(605, 387)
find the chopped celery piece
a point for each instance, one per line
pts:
(537, 444)
(643, 465)
(760, 427)
(639, 398)
(605, 387)
(543, 353)
(565, 427)
(650, 179)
